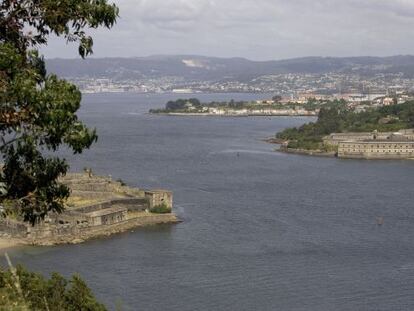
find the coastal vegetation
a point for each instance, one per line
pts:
(37, 110)
(22, 290)
(161, 209)
(337, 118)
(37, 117)
(194, 105)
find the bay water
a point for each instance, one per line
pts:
(261, 230)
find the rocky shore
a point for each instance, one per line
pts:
(284, 149)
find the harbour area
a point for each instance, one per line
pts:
(97, 207)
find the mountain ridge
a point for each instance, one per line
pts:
(195, 67)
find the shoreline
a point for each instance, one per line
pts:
(314, 153)
(324, 154)
(7, 243)
(283, 149)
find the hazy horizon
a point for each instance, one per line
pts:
(230, 57)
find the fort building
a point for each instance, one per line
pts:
(159, 197)
(335, 138)
(96, 207)
(376, 149)
(374, 145)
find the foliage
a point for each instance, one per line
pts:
(29, 23)
(24, 290)
(161, 209)
(121, 181)
(181, 104)
(277, 98)
(38, 111)
(336, 119)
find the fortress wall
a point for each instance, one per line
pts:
(95, 195)
(376, 150)
(76, 234)
(133, 205)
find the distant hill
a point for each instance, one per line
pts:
(215, 69)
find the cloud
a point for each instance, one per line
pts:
(257, 29)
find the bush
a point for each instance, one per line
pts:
(161, 209)
(21, 289)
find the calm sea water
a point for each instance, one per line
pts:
(261, 230)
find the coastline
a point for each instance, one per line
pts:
(9, 243)
(283, 149)
(315, 153)
(143, 220)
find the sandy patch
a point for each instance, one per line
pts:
(6, 243)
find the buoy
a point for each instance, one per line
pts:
(380, 221)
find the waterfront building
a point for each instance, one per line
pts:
(376, 149)
(375, 145)
(335, 138)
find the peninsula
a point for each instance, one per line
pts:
(97, 206)
(377, 133)
(274, 107)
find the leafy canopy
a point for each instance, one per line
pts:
(24, 290)
(37, 110)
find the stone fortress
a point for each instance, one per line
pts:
(375, 145)
(97, 207)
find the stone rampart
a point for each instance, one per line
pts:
(78, 234)
(132, 204)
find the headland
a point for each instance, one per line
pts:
(384, 133)
(259, 108)
(371, 146)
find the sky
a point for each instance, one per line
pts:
(253, 29)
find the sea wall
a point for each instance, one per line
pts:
(72, 234)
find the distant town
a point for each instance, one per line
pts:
(289, 85)
(382, 89)
(306, 104)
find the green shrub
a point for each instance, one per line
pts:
(123, 183)
(161, 209)
(21, 289)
